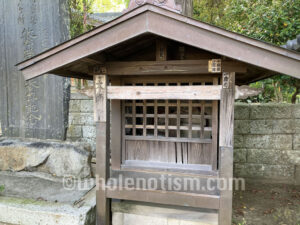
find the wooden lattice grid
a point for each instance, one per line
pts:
(163, 119)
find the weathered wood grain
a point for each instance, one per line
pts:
(102, 118)
(171, 67)
(116, 131)
(164, 92)
(226, 145)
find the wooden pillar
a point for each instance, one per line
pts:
(101, 115)
(226, 145)
(116, 130)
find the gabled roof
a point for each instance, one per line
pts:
(150, 19)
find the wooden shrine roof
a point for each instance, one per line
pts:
(141, 25)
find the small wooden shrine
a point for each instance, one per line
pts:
(165, 87)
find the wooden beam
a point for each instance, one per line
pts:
(102, 147)
(163, 197)
(241, 92)
(165, 92)
(174, 67)
(226, 145)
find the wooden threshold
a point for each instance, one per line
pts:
(165, 92)
(164, 197)
(166, 166)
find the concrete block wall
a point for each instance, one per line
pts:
(267, 142)
(81, 120)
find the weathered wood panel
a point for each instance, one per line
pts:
(38, 108)
(168, 152)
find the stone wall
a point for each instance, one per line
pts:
(267, 142)
(81, 120)
(267, 138)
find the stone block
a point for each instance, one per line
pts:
(87, 106)
(297, 125)
(241, 127)
(240, 155)
(282, 141)
(238, 141)
(89, 131)
(297, 174)
(91, 142)
(285, 126)
(258, 141)
(296, 141)
(294, 157)
(260, 111)
(87, 119)
(74, 105)
(78, 96)
(260, 126)
(55, 158)
(68, 161)
(80, 118)
(74, 131)
(74, 119)
(274, 157)
(249, 170)
(282, 111)
(239, 170)
(278, 141)
(296, 111)
(268, 111)
(37, 212)
(241, 111)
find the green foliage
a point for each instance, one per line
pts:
(110, 5)
(78, 11)
(2, 188)
(273, 21)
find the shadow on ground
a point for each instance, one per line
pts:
(267, 204)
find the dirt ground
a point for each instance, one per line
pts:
(267, 204)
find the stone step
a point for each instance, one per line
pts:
(30, 212)
(39, 199)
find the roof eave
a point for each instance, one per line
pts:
(152, 19)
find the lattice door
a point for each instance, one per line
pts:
(170, 131)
